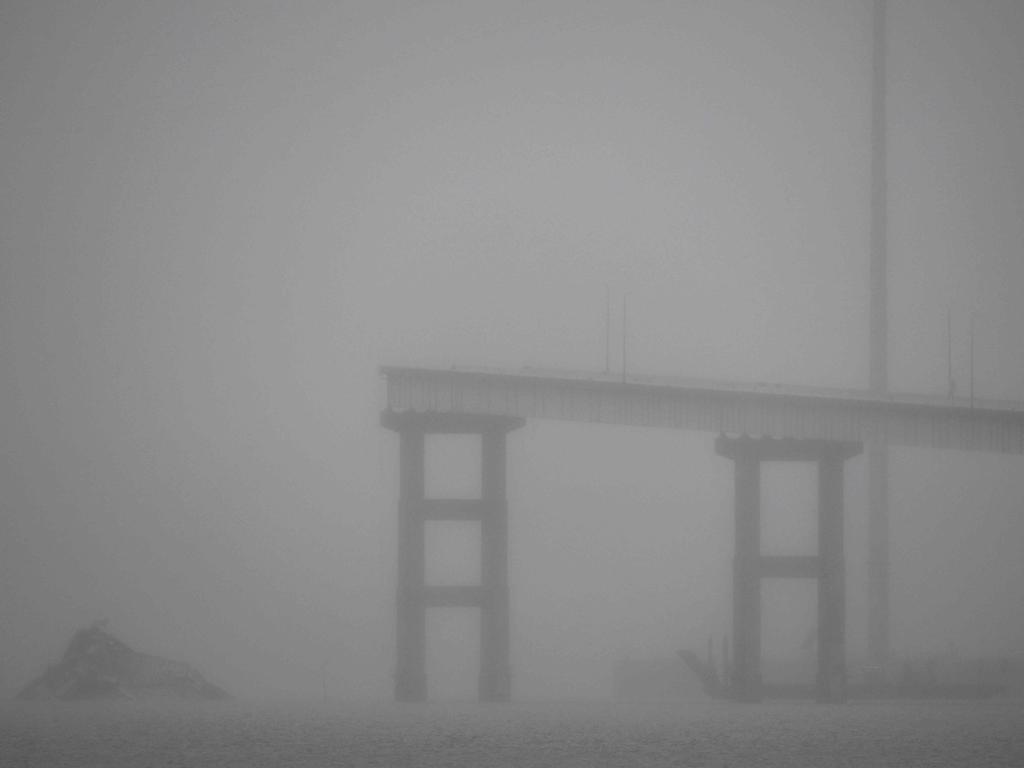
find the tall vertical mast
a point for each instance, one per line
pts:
(879, 376)
(877, 451)
(607, 329)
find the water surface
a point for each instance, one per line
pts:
(525, 735)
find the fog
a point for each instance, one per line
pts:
(217, 219)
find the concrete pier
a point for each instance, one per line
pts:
(746, 596)
(414, 596)
(750, 566)
(410, 616)
(831, 679)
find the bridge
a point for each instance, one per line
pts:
(755, 423)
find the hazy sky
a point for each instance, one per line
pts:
(218, 218)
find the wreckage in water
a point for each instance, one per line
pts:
(96, 665)
(991, 680)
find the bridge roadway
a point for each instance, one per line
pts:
(755, 423)
(713, 406)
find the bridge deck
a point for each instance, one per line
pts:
(713, 406)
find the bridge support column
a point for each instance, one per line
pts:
(746, 630)
(878, 562)
(831, 677)
(750, 566)
(495, 676)
(410, 613)
(413, 595)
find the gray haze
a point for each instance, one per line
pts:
(218, 218)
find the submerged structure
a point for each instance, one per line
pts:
(923, 679)
(96, 665)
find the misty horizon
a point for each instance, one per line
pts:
(220, 220)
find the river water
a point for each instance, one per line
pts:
(524, 735)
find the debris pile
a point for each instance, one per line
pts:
(96, 665)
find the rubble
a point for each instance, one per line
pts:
(96, 665)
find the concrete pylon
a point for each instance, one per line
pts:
(413, 595)
(750, 566)
(831, 680)
(495, 683)
(746, 630)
